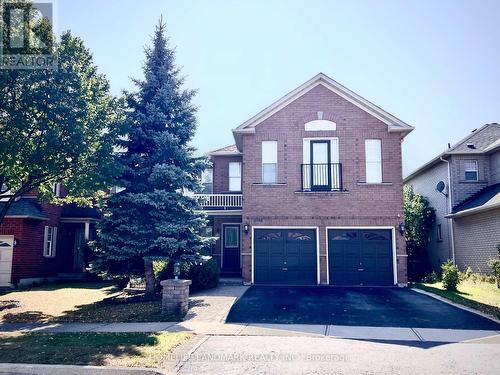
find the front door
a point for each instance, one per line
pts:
(231, 253)
(320, 165)
(79, 250)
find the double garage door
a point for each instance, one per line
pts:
(288, 256)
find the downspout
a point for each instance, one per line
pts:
(449, 199)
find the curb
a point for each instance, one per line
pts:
(466, 308)
(32, 369)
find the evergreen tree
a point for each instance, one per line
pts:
(152, 218)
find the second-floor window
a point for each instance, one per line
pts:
(235, 176)
(471, 170)
(269, 162)
(49, 242)
(373, 156)
(207, 181)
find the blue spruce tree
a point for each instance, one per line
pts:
(153, 218)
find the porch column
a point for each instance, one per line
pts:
(87, 231)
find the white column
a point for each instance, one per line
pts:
(87, 231)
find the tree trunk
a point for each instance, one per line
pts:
(150, 278)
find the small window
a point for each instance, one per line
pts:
(297, 236)
(271, 236)
(346, 236)
(235, 176)
(439, 234)
(373, 156)
(207, 181)
(231, 237)
(375, 236)
(49, 242)
(56, 189)
(471, 170)
(269, 162)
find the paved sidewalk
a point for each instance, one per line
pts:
(305, 330)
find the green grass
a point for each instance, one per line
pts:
(481, 296)
(98, 349)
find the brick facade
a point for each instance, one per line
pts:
(221, 172)
(284, 205)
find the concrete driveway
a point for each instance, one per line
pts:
(351, 306)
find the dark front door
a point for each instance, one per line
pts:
(231, 253)
(285, 256)
(320, 165)
(360, 256)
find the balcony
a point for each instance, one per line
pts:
(220, 201)
(321, 177)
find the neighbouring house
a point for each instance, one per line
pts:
(311, 193)
(43, 242)
(463, 185)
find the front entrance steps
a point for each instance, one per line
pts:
(230, 281)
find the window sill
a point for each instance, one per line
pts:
(359, 183)
(270, 185)
(322, 192)
(472, 182)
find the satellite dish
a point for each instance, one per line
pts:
(441, 186)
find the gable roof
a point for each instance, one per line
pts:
(485, 139)
(393, 123)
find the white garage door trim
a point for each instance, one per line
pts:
(394, 264)
(288, 227)
(9, 240)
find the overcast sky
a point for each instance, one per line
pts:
(433, 64)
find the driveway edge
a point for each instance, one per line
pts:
(466, 308)
(24, 368)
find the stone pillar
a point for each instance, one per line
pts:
(175, 296)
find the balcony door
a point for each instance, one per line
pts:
(321, 177)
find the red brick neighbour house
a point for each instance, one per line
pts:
(40, 242)
(311, 193)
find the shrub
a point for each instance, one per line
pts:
(451, 275)
(204, 274)
(494, 263)
(431, 278)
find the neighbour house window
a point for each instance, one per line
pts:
(439, 234)
(207, 181)
(471, 170)
(269, 162)
(116, 189)
(235, 176)
(56, 189)
(373, 156)
(49, 241)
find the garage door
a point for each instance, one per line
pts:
(285, 256)
(360, 257)
(6, 250)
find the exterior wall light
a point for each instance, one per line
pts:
(246, 228)
(402, 229)
(177, 270)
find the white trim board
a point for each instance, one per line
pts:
(286, 227)
(394, 262)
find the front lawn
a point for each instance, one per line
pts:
(77, 302)
(481, 296)
(97, 349)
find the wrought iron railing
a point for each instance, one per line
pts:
(321, 177)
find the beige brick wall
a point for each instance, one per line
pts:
(476, 238)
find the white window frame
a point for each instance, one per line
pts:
(373, 161)
(56, 189)
(49, 241)
(207, 177)
(475, 170)
(439, 232)
(270, 157)
(236, 178)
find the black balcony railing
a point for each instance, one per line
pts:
(321, 177)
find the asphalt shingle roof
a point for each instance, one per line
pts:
(487, 196)
(26, 207)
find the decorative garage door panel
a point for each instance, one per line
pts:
(360, 257)
(285, 256)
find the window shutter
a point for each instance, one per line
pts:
(54, 241)
(45, 239)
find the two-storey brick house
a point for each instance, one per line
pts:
(463, 185)
(311, 193)
(40, 241)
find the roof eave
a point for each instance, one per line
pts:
(473, 210)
